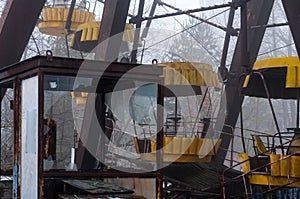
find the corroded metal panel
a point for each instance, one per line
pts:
(29, 139)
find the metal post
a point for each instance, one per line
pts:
(70, 13)
(272, 109)
(160, 138)
(258, 13)
(40, 139)
(199, 110)
(245, 57)
(137, 31)
(17, 138)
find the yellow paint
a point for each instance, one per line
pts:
(246, 164)
(260, 179)
(275, 166)
(260, 145)
(284, 166)
(284, 171)
(80, 100)
(136, 145)
(179, 149)
(293, 69)
(295, 166)
(54, 20)
(176, 158)
(190, 73)
(90, 32)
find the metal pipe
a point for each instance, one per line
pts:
(270, 25)
(282, 186)
(194, 16)
(188, 11)
(272, 108)
(242, 129)
(96, 174)
(201, 105)
(69, 18)
(176, 110)
(160, 138)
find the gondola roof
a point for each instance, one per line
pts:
(281, 76)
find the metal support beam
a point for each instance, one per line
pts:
(146, 29)
(258, 13)
(16, 25)
(292, 11)
(112, 23)
(17, 138)
(137, 31)
(227, 38)
(188, 11)
(70, 14)
(194, 16)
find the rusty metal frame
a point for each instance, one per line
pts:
(17, 137)
(188, 11)
(40, 132)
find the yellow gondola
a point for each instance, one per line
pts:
(54, 19)
(178, 76)
(276, 78)
(86, 35)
